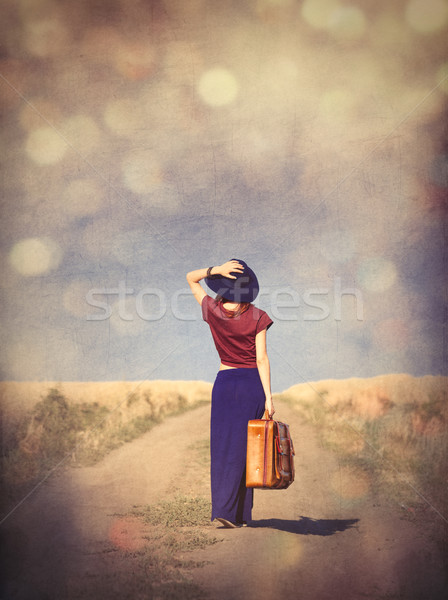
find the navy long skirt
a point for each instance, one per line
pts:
(237, 397)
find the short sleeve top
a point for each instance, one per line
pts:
(234, 337)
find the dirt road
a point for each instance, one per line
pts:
(327, 536)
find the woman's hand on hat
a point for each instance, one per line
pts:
(232, 266)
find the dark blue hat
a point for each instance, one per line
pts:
(242, 289)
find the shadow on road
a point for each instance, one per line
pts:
(307, 526)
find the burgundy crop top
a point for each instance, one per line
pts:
(234, 337)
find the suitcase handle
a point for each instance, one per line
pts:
(266, 416)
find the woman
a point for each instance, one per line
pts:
(242, 389)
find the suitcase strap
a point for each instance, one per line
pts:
(265, 466)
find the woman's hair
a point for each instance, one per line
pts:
(242, 307)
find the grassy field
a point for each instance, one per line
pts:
(19, 397)
(393, 429)
(78, 423)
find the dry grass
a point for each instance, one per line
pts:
(17, 398)
(173, 529)
(153, 543)
(393, 428)
(80, 422)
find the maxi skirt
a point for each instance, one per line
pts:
(237, 397)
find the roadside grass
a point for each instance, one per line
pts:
(81, 433)
(157, 571)
(175, 528)
(181, 511)
(393, 429)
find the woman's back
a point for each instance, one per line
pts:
(234, 336)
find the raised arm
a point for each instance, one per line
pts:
(225, 270)
(264, 369)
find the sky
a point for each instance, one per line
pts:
(141, 140)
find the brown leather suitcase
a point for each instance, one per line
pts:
(270, 455)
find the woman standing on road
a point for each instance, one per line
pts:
(242, 389)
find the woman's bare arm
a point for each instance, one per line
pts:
(264, 369)
(225, 270)
(193, 278)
